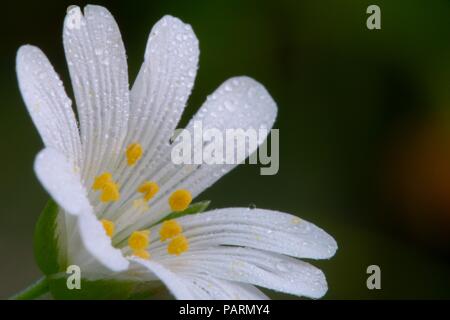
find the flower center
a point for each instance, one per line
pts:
(139, 241)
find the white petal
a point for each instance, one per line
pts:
(197, 286)
(256, 228)
(238, 103)
(163, 86)
(159, 96)
(209, 288)
(47, 102)
(265, 269)
(178, 286)
(97, 63)
(62, 181)
(206, 287)
(87, 243)
(95, 253)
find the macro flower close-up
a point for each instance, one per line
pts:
(122, 210)
(225, 159)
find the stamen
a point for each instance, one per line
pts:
(139, 240)
(102, 180)
(180, 200)
(134, 153)
(143, 254)
(178, 245)
(110, 192)
(170, 229)
(109, 227)
(149, 189)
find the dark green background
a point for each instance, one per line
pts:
(344, 93)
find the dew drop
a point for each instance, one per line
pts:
(191, 72)
(229, 105)
(251, 92)
(98, 51)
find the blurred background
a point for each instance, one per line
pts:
(363, 116)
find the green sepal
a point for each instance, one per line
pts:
(46, 240)
(194, 208)
(103, 289)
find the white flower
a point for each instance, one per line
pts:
(113, 178)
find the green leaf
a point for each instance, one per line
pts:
(104, 289)
(46, 240)
(197, 207)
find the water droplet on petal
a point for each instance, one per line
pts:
(98, 51)
(191, 73)
(229, 105)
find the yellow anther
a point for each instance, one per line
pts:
(170, 229)
(110, 192)
(143, 254)
(180, 200)
(134, 153)
(139, 240)
(102, 180)
(178, 245)
(149, 189)
(109, 227)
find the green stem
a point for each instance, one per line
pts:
(35, 290)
